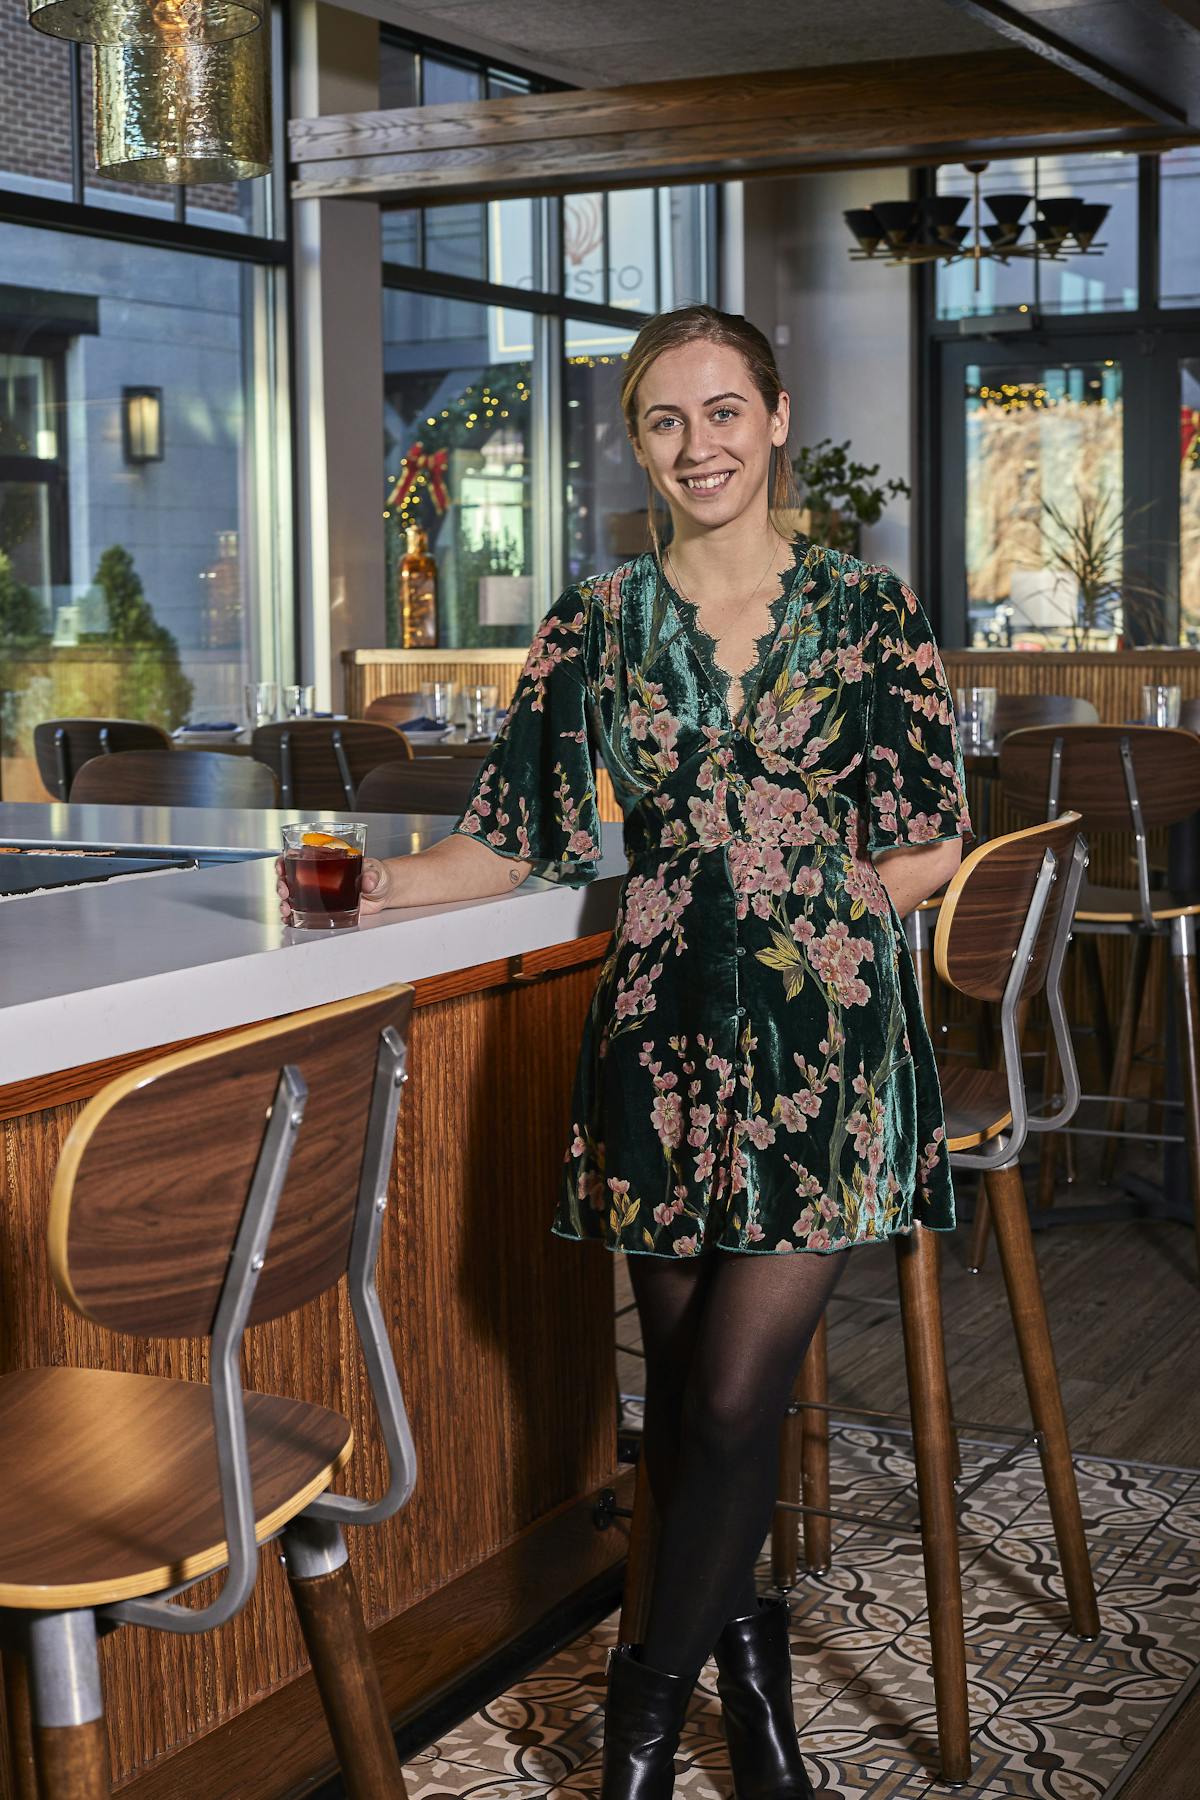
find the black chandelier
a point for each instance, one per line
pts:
(928, 230)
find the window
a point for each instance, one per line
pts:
(493, 408)
(1060, 496)
(1102, 280)
(145, 476)
(1179, 237)
(459, 437)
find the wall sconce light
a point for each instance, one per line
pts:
(141, 420)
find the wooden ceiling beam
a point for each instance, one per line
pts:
(1027, 30)
(899, 113)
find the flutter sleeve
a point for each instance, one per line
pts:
(915, 788)
(535, 799)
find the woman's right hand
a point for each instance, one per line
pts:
(378, 888)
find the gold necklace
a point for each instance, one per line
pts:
(749, 597)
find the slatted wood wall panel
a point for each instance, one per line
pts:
(503, 1334)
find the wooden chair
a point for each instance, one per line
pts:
(1189, 716)
(1016, 711)
(175, 778)
(396, 709)
(425, 785)
(319, 762)
(1002, 935)
(62, 746)
(197, 1195)
(1123, 778)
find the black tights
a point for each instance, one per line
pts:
(724, 1336)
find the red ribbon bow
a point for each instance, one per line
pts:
(433, 466)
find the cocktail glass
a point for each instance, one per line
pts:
(322, 868)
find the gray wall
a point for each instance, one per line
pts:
(841, 329)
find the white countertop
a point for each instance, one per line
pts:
(91, 972)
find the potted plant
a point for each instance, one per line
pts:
(840, 495)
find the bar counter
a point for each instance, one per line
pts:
(503, 1333)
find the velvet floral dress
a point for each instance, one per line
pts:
(755, 1073)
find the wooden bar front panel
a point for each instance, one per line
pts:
(504, 1339)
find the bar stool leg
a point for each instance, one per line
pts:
(1014, 1240)
(69, 1739)
(644, 1529)
(813, 1385)
(981, 1226)
(925, 1360)
(785, 1525)
(1183, 957)
(1095, 975)
(19, 1722)
(335, 1635)
(1131, 1007)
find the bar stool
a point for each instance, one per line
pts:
(395, 709)
(319, 762)
(62, 746)
(1002, 935)
(1129, 779)
(197, 1195)
(429, 784)
(175, 778)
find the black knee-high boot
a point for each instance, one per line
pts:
(643, 1718)
(754, 1680)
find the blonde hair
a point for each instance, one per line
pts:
(705, 324)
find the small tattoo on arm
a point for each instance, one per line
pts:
(514, 877)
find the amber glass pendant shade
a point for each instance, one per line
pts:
(147, 21)
(184, 113)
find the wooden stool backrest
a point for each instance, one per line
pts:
(175, 778)
(1189, 715)
(427, 784)
(153, 1178)
(308, 750)
(62, 746)
(396, 709)
(1091, 773)
(1014, 712)
(982, 916)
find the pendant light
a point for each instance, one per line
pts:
(147, 21)
(184, 113)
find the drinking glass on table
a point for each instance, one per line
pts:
(481, 711)
(299, 701)
(262, 702)
(323, 870)
(1160, 705)
(440, 697)
(976, 710)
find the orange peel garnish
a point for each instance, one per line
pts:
(326, 840)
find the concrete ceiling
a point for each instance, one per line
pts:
(605, 43)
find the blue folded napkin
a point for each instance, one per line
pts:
(216, 725)
(423, 724)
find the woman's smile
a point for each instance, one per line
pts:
(708, 484)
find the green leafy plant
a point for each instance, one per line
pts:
(22, 615)
(841, 494)
(1086, 544)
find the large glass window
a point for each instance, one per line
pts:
(1179, 233)
(459, 442)
(1045, 512)
(503, 427)
(139, 485)
(1102, 280)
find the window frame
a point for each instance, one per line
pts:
(1154, 335)
(86, 218)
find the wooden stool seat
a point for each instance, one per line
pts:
(110, 1486)
(976, 1104)
(1121, 906)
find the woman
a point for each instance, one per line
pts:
(756, 1090)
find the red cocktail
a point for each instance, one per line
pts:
(322, 867)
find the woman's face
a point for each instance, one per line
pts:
(705, 435)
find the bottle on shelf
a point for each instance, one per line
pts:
(418, 593)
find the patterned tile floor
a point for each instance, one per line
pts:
(1052, 1718)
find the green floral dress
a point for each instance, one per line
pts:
(755, 1073)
